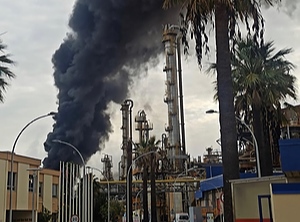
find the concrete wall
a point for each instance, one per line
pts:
(245, 197)
(47, 192)
(22, 186)
(3, 188)
(286, 207)
(21, 197)
(285, 202)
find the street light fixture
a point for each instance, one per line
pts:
(127, 183)
(253, 136)
(84, 169)
(12, 157)
(108, 191)
(35, 170)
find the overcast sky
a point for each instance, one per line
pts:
(33, 30)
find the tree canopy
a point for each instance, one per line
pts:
(197, 15)
(5, 72)
(224, 16)
(262, 79)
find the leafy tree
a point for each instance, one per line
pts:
(225, 15)
(262, 80)
(5, 72)
(100, 202)
(101, 205)
(46, 215)
(116, 209)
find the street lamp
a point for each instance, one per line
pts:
(186, 171)
(253, 136)
(84, 168)
(35, 170)
(12, 158)
(127, 183)
(108, 191)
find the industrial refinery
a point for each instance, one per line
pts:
(125, 142)
(177, 176)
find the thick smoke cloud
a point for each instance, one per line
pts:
(112, 42)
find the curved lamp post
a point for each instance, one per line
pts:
(127, 183)
(12, 157)
(84, 168)
(34, 187)
(253, 136)
(108, 191)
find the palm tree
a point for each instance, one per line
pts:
(144, 164)
(224, 14)
(147, 162)
(5, 72)
(262, 80)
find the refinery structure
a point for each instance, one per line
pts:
(156, 176)
(177, 177)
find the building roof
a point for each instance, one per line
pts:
(216, 183)
(6, 155)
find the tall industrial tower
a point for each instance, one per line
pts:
(127, 137)
(176, 148)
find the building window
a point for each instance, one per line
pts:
(30, 185)
(54, 190)
(13, 182)
(40, 189)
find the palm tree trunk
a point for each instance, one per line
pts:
(145, 194)
(265, 156)
(153, 191)
(226, 107)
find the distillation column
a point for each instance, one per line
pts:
(125, 139)
(126, 159)
(171, 97)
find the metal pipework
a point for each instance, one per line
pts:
(129, 104)
(125, 138)
(108, 190)
(143, 126)
(140, 119)
(85, 209)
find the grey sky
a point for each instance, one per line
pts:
(33, 30)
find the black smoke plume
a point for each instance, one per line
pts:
(110, 43)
